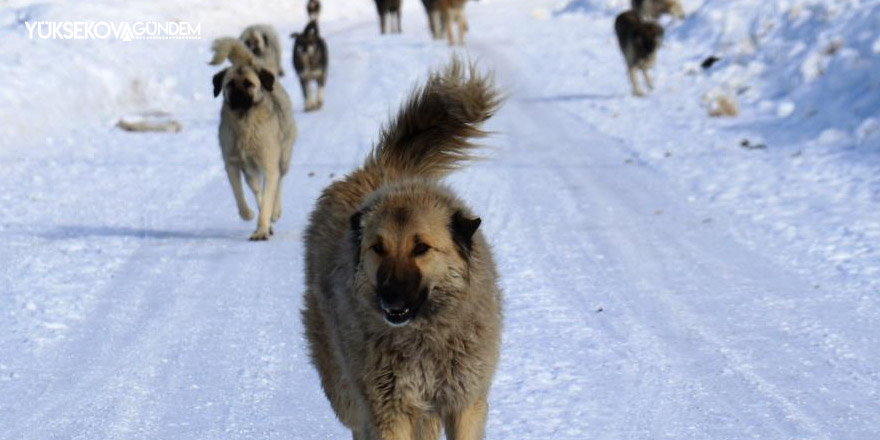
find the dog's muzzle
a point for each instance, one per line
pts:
(400, 307)
(239, 99)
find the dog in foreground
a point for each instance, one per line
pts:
(402, 309)
(257, 131)
(639, 41)
(310, 62)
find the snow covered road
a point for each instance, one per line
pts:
(133, 307)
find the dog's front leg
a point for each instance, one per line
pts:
(276, 207)
(468, 424)
(637, 91)
(234, 174)
(462, 27)
(253, 181)
(307, 94)
(648, 79)
(270, 189)
(429, 427)
(398, 427)
(447, 25)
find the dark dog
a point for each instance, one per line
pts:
(310, 61)
(314, 9)
(435, 18)
(639, 41)
(389, 8)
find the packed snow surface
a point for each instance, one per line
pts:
(666, 274)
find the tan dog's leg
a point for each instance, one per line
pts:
(270, 189)
(234, 174)
(469, 424)
(320, 95)
(462, 26)
(253, 182)
(637, 91)
(447, 26)
(276, 207)
(382, 23)
(398, 428)
(429, 427)
(648, 79)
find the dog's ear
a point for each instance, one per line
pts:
(267, 79)
(357, 230)
(463, 230)
(218, 81)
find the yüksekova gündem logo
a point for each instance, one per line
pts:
(107, 30)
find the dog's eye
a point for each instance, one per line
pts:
(247, 84)
(378, 249)
(420, 249)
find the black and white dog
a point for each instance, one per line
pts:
(310, 61)
(314, 9)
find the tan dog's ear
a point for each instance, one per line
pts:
(463, 230)
(267, 79)
(218, 81)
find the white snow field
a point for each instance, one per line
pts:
(661, 281)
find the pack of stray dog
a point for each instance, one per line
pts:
(257, 129)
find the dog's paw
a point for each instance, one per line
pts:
(246, 214)
(638, 93)
(276, 215)
(261, 234)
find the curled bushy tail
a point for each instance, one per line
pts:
(433, 130)
(232, 49)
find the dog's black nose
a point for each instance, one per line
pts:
(392, 297)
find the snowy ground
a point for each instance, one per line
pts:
(661, 281)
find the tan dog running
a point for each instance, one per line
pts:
(402, 311)
(257, 131)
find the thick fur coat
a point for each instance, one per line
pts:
(402, 309)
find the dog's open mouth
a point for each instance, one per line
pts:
(398, 317)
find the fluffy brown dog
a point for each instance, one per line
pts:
(402, 311)
(639, 41)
